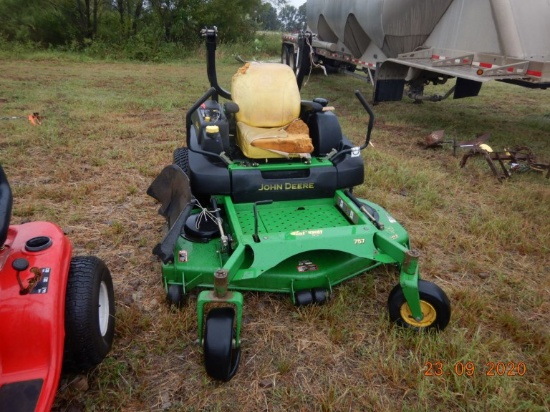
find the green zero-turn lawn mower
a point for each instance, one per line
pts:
(261, 199)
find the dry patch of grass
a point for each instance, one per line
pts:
(109, 128)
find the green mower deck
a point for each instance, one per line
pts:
(289, 246)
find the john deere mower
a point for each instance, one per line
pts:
(260, 199)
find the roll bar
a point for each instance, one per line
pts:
(370, 126)
(211, 34)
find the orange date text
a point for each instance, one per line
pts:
(469, 369)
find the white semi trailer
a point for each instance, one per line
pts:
(418, 42)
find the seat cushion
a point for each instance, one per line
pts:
(263, 143)
(267, 94)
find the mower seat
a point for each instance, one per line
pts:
(6, 202)
(268, 123)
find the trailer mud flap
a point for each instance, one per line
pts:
(466, 88)
(389, 82)
(172, 189)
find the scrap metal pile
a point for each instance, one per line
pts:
(518, 159)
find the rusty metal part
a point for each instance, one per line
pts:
(541, 167)
(410, 262)
(478, 141)
(435, 140)
(220, 283)
(31, 282)
(520, 157)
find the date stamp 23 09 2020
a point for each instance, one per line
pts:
(470, 369)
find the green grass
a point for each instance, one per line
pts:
(110, 127)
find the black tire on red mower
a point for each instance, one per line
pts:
(221, 361)
(174, 296)
(89, 314)
(434, 303)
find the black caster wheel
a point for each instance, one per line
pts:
(221, 360)
(174, 296)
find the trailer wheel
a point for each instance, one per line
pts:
(288, 56)
(89, 314)
(434, 304)
(284, 54)
(220, 359)
(292, 60)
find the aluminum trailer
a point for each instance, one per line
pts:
(420, 42)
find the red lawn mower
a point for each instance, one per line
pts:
(56, 311)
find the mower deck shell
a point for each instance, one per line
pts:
(298, 244)
(32, 324)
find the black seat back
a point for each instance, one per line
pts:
(6, 201)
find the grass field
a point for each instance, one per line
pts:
(108, 130)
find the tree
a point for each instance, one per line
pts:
(234, 18)
(130, 12)
(292, 19)
(266, 17)
(276, 3)
(126, 24)
(302, 16)
(52, 22)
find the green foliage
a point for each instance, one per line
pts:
(266, 17)
(143, 30)
(293, 19)
(233, 18)
(262, 46)
(21, 22)
(154, 30)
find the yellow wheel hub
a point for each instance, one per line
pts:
(429, 315)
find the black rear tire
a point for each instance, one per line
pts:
(181, 159)
(89, 314)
